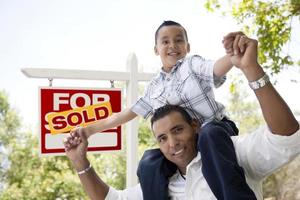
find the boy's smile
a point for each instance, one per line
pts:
(171, 46)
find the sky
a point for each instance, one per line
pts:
(99, 35)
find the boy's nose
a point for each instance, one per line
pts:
(172, 45)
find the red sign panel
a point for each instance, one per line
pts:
(62, 109)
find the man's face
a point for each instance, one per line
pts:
(171, 46)
(176, 139)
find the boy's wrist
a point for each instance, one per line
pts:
(229, 59)
(85, 131)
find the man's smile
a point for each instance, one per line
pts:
(177, 152)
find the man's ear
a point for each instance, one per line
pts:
(188, 48)
(155, 50)
(195, 125)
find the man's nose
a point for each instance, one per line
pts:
(172, 141)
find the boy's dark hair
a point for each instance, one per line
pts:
(167, 109)
(169, 23)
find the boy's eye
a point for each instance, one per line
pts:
(165, 42)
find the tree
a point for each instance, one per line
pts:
(9, 122)
(269, 20)
(27, 176)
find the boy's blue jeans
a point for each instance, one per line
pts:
(224, 176)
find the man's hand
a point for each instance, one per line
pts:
(74, 138)
(76, 145)
(243, 50)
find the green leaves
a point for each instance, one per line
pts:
(268, 21)
(27, 176)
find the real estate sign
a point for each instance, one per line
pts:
(62, 109)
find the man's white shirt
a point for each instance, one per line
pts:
(259, 153)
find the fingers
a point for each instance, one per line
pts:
(75, 131)
(81, 133)
(227, 44)
(72, 140)
(235, 43)
(230, 42)
(232, 35)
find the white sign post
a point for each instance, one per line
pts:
(131, 77)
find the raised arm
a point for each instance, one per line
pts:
(222, 66)
(276, 112)
(92, 183)
(104, 124)
(110, 122)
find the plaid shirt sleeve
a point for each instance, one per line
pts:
(143, 105)
(204, 68)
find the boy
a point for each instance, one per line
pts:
(186, 81)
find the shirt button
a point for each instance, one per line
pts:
(168, 79)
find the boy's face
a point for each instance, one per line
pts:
(176, 139)
(171, 46)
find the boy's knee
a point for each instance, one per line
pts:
(151, 158)
(211, 132)
(153, 164)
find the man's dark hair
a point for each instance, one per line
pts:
(169, 23)
(167, 109)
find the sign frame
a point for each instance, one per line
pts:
(96, 141)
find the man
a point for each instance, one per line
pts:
(258, 153)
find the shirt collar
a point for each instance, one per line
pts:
(174, 69)
(196, 161)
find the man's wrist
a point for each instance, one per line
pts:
(253, 72)
(259, 83)
(85, 170)
(80, 164)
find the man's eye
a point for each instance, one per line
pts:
(161, 139)
(178, 130)
(165, 42)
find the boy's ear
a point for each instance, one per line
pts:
(188, 48)
(155, 50)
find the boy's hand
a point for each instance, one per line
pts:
(228, 41)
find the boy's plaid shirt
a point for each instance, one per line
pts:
(189, 84)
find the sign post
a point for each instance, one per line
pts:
(131, 77)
